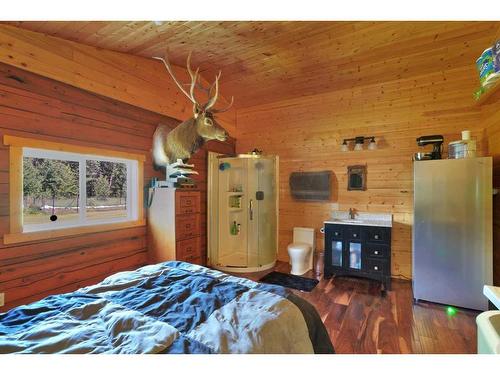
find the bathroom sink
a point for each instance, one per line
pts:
(361, 218)
(355, 221)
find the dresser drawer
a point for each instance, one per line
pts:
(375, 250)
(335, 231)
(188, 248)
(376, 266)
(354, 232)
(187, 226)
(377, 234)
(187, 202)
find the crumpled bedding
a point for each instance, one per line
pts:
(171, 307)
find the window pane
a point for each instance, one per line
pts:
(337, 253)
(355, 255)
(106, 190)
(50, 187)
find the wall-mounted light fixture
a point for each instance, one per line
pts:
(358, 143)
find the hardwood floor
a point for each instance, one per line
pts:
(360, 320)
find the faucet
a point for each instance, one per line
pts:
(352, 213)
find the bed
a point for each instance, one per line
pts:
(171, 307)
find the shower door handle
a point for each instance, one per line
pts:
(251, 209)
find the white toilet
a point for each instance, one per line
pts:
(301, 250)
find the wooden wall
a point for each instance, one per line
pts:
(131, 79)
(37, 107)
(307, 133)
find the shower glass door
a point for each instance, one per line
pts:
(265, 195)
(246, 221)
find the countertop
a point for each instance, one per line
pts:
(361, 218)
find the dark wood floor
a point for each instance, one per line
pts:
(360, 320)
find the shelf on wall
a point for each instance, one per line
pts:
(488, 96)
(230, 193)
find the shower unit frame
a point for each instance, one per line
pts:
(250, 206)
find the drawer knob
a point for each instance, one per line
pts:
(375, 252)
(336, 233)
(375, 268)
(355, 235)
(376, 236)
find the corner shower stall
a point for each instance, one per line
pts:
(242, 212)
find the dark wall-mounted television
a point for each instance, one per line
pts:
(311, 186)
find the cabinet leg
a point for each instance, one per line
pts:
(388, 283)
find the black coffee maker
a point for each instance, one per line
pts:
(437, 144)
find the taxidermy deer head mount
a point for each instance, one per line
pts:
(185, 139)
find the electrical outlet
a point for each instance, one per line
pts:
(2, 299)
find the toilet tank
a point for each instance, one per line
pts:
(304, 235)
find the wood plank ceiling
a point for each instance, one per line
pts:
(264, 62)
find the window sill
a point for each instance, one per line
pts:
(13, 238)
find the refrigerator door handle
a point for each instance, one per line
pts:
(251, 209)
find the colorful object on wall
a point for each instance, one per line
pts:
(488, 67)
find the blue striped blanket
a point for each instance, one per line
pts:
(171, 307)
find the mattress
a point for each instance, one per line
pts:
(171, 307)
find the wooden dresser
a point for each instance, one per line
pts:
(174, 226)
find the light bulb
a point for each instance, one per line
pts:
(358, 147)
(372, 145)
(344, 147)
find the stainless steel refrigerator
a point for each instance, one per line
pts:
(452, 231)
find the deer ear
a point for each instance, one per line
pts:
(196, 110)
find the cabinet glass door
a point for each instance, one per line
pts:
(337, 253)
(355, 255)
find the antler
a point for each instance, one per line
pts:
(194, 77)
(195, 82)
(214, 98)
(225, 108)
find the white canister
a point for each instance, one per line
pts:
(466, 135)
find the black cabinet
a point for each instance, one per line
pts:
(356, 250)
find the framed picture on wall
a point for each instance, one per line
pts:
(356, 177)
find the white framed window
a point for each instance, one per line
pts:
(64, 189)
(58, 190)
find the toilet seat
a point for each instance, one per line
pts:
(299, 246)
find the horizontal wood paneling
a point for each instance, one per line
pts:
(307, 133)
(135, 80)
(32, 106)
